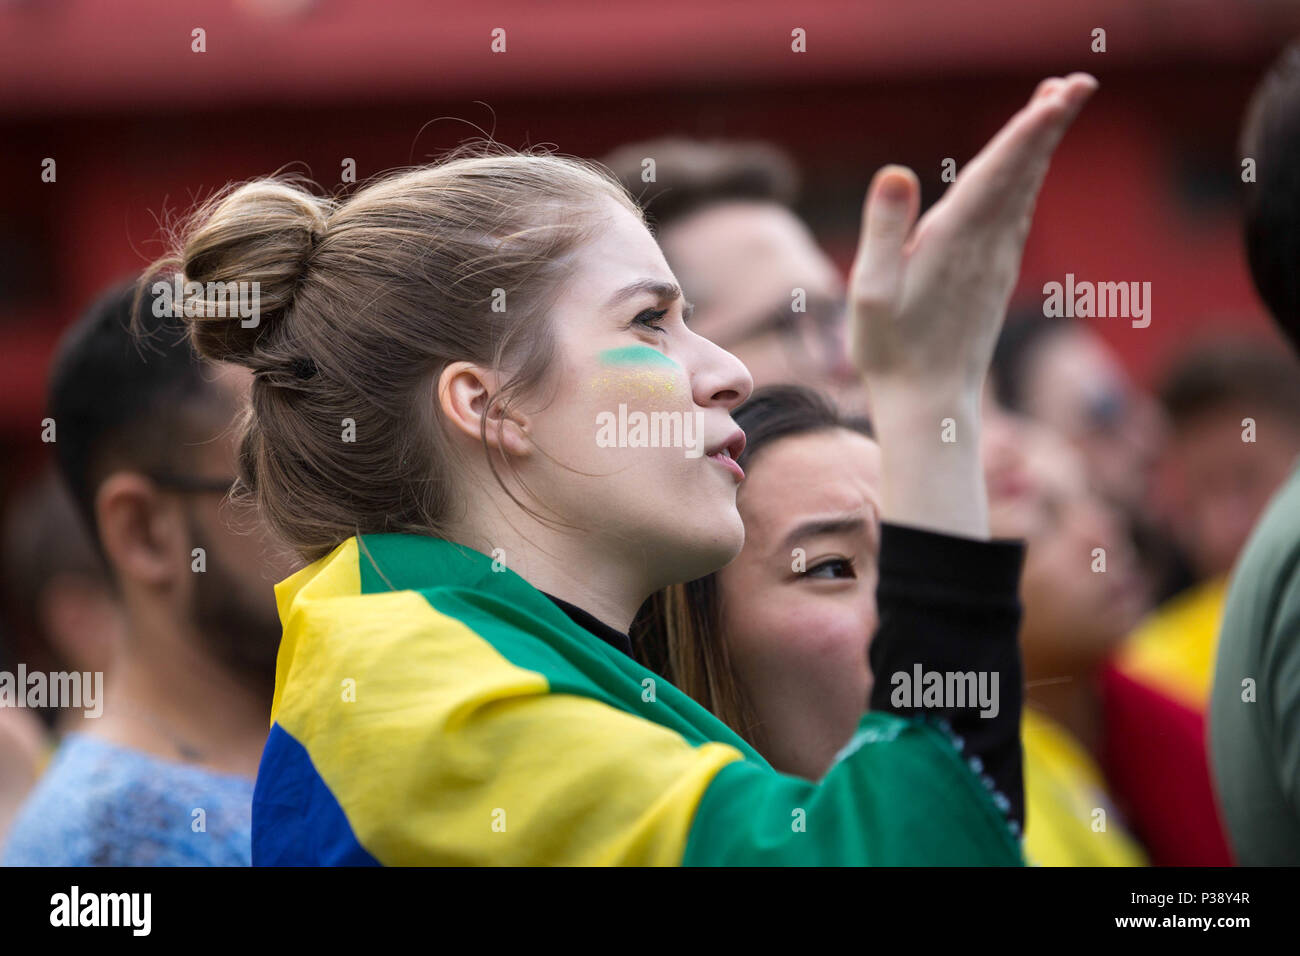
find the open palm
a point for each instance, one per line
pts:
(928, 302)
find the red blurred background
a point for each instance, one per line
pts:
(1144, 188)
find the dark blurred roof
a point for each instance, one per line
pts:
(90, 54)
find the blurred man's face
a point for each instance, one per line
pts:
(741, 263)
(1222, 484)
(234, 599)
(1076, 386)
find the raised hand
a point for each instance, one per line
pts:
(928, 300)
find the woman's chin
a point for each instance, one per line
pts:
(718, 548)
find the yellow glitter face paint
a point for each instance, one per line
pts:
(653, 402)
(633, 385)
(638, 372)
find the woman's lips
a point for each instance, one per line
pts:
(728, 452)
(727, 462)
(1010, 484)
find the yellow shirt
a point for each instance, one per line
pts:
(1063, 793)
(1173, 649)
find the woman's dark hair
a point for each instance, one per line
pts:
(679, 631)
(1024, 334)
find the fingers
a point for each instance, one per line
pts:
(1002, 182)
(1063, 101)
(1047, 87)
(889, 213)
(1044, 119)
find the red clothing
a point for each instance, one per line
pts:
(1154, 756)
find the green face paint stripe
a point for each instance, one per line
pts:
(637, 355)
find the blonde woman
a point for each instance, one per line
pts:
(435, 359)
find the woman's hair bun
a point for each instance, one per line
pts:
(242, 260)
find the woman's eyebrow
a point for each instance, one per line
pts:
(666, 291)
(818, 526)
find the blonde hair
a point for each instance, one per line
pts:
(362, 302)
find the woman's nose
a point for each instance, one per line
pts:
(721, 378)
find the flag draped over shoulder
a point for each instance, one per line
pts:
(432, 710)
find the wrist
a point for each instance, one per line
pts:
(932, 472)
(906, 407)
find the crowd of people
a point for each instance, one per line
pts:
(932, 585)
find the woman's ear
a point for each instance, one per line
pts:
(466, 395)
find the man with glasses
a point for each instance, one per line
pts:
(763, 289)
(144, 439)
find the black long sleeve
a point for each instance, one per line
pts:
(950, 612)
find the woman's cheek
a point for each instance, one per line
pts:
(645, 408)
(823, 652)
(641, 377)
(639, 389)
(819, 641)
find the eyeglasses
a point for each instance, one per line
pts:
(814, 334)
(1106, 410)
(191, 484)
